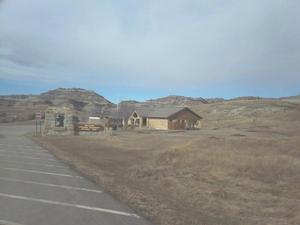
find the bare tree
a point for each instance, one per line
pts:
(125, 110)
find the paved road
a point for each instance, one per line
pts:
(38, 189)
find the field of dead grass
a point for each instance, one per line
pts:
(244, 170)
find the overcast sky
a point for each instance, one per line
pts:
(145, 48)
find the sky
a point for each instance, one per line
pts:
(143, 49)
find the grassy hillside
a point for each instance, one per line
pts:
(242, 167)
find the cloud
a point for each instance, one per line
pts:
(172, 43)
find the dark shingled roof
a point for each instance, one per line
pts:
(161, 112)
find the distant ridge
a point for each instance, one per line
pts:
(86, 103)
(177, 100)
(247, 98)
(77, 94)
(23, 107)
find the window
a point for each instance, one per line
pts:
(144, 121)
(137, 122)
(59, 120)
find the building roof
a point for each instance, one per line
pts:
(120, 114)
(161, 112)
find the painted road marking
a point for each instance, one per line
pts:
(5, 222)
(27, 157)
(69, 205)
(32, 164)
(24, 149)
(25, 152)
(51, 185)
(40, 172)
(21, 146)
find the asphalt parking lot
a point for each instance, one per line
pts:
(38, 189)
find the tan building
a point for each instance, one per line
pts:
(165, 118)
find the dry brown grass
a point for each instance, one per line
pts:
(241, 172)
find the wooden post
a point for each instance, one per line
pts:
(40, 126)
(36, 127)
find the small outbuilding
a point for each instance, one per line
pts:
(165, 118)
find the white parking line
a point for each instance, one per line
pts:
(69, 205)
(39, 172)
(25, 153)
(21, 146)
(27, 157)
(32, 164)
(5, 222)
(51, 185)
(25, 149)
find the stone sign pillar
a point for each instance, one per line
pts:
(59, 121)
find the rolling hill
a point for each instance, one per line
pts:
(23, 107)
(86, 103)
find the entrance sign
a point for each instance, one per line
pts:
(38, 123)
(38, 115)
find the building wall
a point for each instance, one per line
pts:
(135, 121)
(184, 115)
(177, 124)
(184, 120)
(161, 124)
